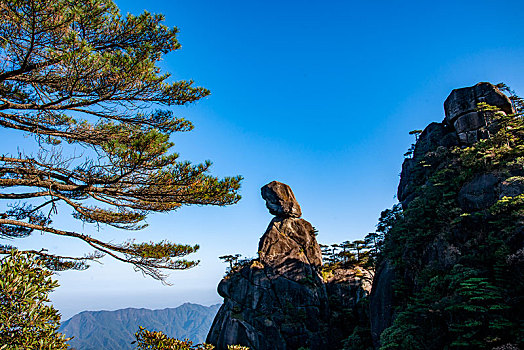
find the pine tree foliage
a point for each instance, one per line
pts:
(151, 340)
(84, 81)
(26, 320)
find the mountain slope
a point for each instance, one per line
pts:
(114, 330)
(451, 268)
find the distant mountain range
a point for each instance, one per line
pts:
(114, 330)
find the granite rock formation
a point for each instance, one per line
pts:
(461, 111)
(280, 301)
(381, 302)
(463, 125)
(280, 200)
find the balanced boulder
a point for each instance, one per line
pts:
(278, 301)
(280, 200)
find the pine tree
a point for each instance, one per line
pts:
(83, 79)
(232, 260)
(478, 315)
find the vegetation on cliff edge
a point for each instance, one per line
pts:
(462, 281)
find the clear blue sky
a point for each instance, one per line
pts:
(319, 95)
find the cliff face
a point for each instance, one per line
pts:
(279, 301)
(450, 268)
(461, 229)
(462, 126)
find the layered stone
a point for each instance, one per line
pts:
(463, 125)
(289, 239)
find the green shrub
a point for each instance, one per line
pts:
(26, 320)
(150, 340)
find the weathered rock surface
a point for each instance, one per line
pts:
(479, 193)
(511, 187)
(279, 301)
(381, 302)
(280, 200)
(462, 125)
(461, 111)
(347, 290)
(465, 100)
(434, 136)
(265, 310)
(289, 239)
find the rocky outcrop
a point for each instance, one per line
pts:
(280, 200)
(347, 290)
(511, 187)
(479, 193)
(463, 125)
(485, 189)
(461, 108)
(475, 192)
(464, 101)
(381, 301)
(289, 239)
(280, 301)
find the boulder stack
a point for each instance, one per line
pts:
(461, 109)
(280, 200)
(462, 126)
(279, 301)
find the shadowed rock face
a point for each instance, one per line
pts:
(381, 301)
(465, 100)
(462, 126)
(461, 111)
(479, 193)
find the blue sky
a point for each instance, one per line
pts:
(319, 95)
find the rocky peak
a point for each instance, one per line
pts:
(280, 200)
(465, 100)
(461, 111)
(461, 216)
(463, 125)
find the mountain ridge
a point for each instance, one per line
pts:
(114, 330)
